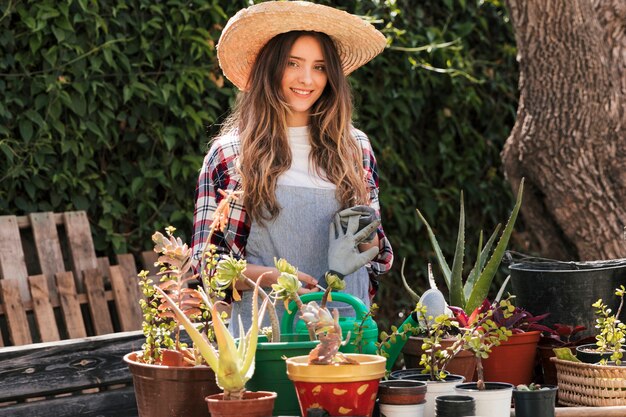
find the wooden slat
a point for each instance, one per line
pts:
(79, 238)
(126, 261)
(42, 308)
(103, 267)
(19, 332)
(70, 305)
(12, 263)
(148, 258)
(24, 221)
(48, 246)
(127, 304)
(116, 403)
(66, 366)
(98, 307)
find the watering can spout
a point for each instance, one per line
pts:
(393, 349)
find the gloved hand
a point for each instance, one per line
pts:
(344, 257)
(366, 216)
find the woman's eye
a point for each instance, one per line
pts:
(292, 64)
(320, 68)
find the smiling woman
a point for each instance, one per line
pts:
(309, 178)
(305, 77)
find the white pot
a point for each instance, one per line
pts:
(410, 410)
(495, 401)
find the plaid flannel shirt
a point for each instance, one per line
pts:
(219, 172)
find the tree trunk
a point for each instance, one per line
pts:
(568, 140)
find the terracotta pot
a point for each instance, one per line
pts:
(464, 363)
(514, 360)
(401, 392)
(434, 388)
(339, 389)
(253, 404)
(165, 391)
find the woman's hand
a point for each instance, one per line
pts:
(309, 284)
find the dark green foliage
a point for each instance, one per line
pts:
(108, 107)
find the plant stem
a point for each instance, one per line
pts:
(272, 310)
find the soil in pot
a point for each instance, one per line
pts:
(165, 391)
(589, 354)
(538, 403)
(253, 404)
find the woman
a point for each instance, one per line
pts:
(308, 177)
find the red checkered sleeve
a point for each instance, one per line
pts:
(219, 172)
(384, 260)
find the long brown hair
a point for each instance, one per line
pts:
(260, 120)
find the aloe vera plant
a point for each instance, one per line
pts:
(470, 294)
(233, 363)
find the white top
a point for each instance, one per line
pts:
(302, 173)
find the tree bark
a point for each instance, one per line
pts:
(568, 140)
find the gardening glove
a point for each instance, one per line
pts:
(366, 216)
(344, 257)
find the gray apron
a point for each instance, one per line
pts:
(299, 234)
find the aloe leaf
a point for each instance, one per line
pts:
(412, 294)
(443, 264)
(481, 288)
(502, 288)
(457, 298)
(480, 261)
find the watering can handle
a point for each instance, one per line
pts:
(359, 307)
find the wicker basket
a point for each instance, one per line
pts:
(583, 384)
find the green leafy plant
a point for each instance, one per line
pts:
(433, 331)
(468, 294)
(612, 330)
(482, 335)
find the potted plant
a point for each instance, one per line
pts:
(534, 400)
(561, 336)
(519, 350)
(169, 377)
(611, 336)
(468, 293)
(342, 384)
(434, 358)
(232, 361)
(480, 337)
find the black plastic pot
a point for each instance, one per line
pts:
(588, 354)
(566, 290)
(455, 406)
(538, 403)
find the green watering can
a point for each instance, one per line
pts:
(432, 299)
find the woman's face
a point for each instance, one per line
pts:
(304, 79)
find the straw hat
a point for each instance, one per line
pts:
(357, 41)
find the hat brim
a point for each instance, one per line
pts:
(357, 41)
